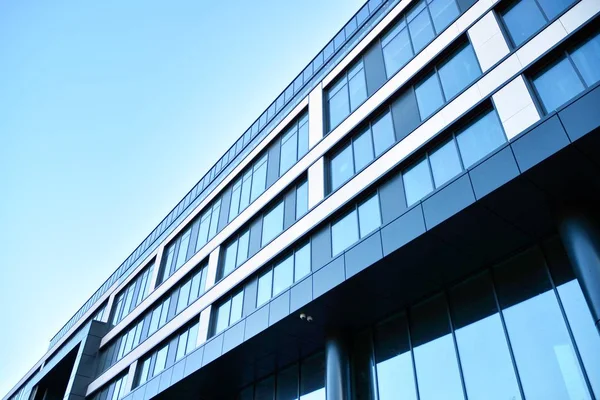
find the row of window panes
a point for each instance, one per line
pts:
(355, 225)
(494, 335)
(114, 391)
(281, 276)
(415, 29)
(248, 187)
(324, 56)
(461, 151)
(294, 144)
(524, 18)
(346, 94)
(184, 247)
(236, 253)
(304, 381)
(576, 70)
(188, 291)
(183, 344)
(362, 149)
(132, 295)
(228, 312)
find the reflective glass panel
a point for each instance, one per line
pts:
(395, 375)
(339, 106)
(421, 30)
(287, 383)
(283, 275)
(181, 343)
(357, 86)
(458, 72)
(587, 60)
(438, 376)
(397, 49)
(183, 246)
(236, 307)
(272, 224)
(344, 232)
(557, 85)
(552, 8)
(417, 182)
(363, 150)
(369, 216)
(246, 188)
(265, 283)
(480, 138)
(485, 359)
(445, 163)
(289, 150)
(259, 179)
(383, 134)
(191, 339)
(161, 360)
(522, 20)
(223, 316)
(264, 389)
(184, 295)
(443, 12)
(230, 255)
(429, 96)
(302, 262)
(341, 167)
(303, 137)
(301, 200)
(545, 357)
(242, 254)
(312, 378)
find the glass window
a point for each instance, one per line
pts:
(165, 311)
(443, 12)
(480, 138)
(312, 378)
(161, 360)
(344, 232)
(429, 96)
(264, 390)
(552, 8)
(393, 359)
(154, 320)
(420, 26)
(181, 343)
(357, 86)
(459, 71)
(445, 163)
(242, 254)
(397, 49)
(184, 295)
(301, 200)
(289, 150)
(191, 339)
(436, 363)
(485, 358)
(557, 85)
(339, 103)
(341, 167)
(303, 136)
(542, 348)
(369, 216)
(417, 182)
(283, 275)
(195, 286)
(522, 20)
(127, 306)
(363, 150)
(587, 59)
(230, 256)
(203, 230)
(214, 220)
(302, 263)
(223, 317)
(183, 246)
(259, 178)
(265, 283)
(272, 224)
(236, 308)
(144, 372)
(287, 383)
(234, 206)
(383, 134)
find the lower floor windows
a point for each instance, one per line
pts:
(113, 391)
(228, 312)
(571, 74)
(355, 225)
(461, 151)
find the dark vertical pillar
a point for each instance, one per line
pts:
(337, 384)
(581, 239)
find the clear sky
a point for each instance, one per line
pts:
(110, 111)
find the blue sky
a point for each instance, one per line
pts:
(109, 112)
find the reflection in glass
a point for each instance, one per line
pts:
(312, 378)
(445, 163)
(419, 24)
(264, 389)
(417, 182)
(480, 138)
(265, 282)
(383, 134)
(301, 200)
(283, 275)
(369, 216)
(552, 8)
(287, 383)
(341, 167)
(357, 86)
(443, 13)
(363, 150)
(587, 59)
(522, 20)
(459, 71)
(438, 376)
(395, 375)
(339, 103)
(302, 263)
(557, 85)
(272, 224)
(543, 351)
(429, 96)
(486, 363)
(397, 50)
(344, 232)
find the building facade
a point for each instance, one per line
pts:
(414, 217)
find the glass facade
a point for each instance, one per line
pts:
(355, 225)
(346, 94)
(132, 295)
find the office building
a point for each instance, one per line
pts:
(414, 217)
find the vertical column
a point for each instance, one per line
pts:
(581, 239)
(337, 384)
(211, 269)
(203, 326)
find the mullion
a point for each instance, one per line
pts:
(542, 11)
(568, 325)
(568, 56)
(432, 24)
(412, 353)
(460, 368)
(460, 159)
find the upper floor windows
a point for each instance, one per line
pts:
(301, 199)
(450, 158)
(278, 278)
(272, 223)
(447, 80)
(415, 30)
(570, 75)
(113, 391)
(208, 225)
(364, 148)
(355, 225)
(132, 295)
(346, 94)
(526, 17)
(229, 312)
(248, 187)
(294, 144)
(235, 254)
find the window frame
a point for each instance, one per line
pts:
(345, 78)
